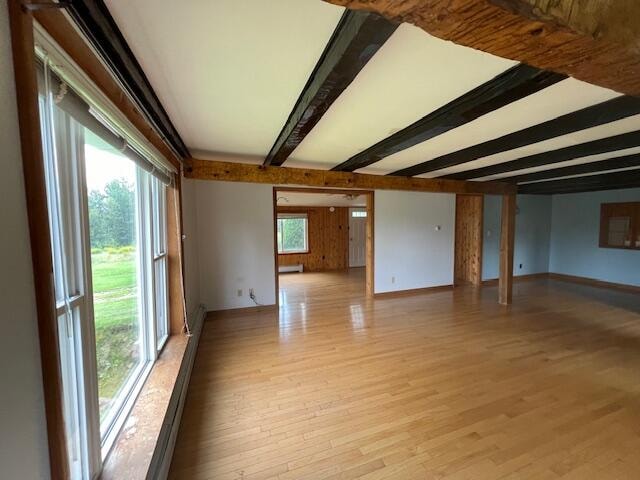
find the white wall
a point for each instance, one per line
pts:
(235, 243)
(532, 238)
(190, 244)
(575, 239)
(23, 441)
(407, 244)
(234, 230)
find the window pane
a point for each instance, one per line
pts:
(62, 146)
(111, 189)
(279, 223)
(160, 273)
(358, 214)
(158, 203)
(619, 231)
(292, 234)
(71, 396)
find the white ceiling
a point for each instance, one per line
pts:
(411, 75)
(559, 99)
(614, 128)
(229, 72)
(301, 199)
(568, 163)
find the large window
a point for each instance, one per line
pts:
(107, 212)
(292, 233)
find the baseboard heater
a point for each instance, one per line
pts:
(161, 460)
(290, 268)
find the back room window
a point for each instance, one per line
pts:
(293, 233)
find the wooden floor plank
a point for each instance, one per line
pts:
(445, 385)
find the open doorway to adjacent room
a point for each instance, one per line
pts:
(323, 243)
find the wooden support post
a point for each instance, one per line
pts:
(370, 246)
(507, 238)
(467, 262)
(174, 243)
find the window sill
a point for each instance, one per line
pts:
(301, 252)
(133, 449)
(630, 247)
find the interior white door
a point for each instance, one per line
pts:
(357, 237)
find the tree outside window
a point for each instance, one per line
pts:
(292, 233)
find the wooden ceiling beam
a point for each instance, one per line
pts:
(357, 37)
(584, 168)
(98, 26)
(588, 117)
(242, 172)
(589, 183)
(512, 85)
(595, 147)
(592, 40)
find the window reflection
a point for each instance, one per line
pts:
(357, 317)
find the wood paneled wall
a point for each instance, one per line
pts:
(468, 240)
(328, 239)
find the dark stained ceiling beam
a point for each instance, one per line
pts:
(96, 23)
(592, 116)
(595, 147)
(584, 168)
(358, 36)
(514, 84)
(590, 183)
(592, 40)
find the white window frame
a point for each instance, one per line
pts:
(78, 305)
(292, 216)
(160, 261)
(73, 301)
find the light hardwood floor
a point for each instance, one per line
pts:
(442, 385)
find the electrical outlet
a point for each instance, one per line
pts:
(393, 279)
(520, 266)
(251, 294)
(239, 292)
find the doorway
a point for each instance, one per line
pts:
(468, 240)
(323, 241)
(357, 237)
